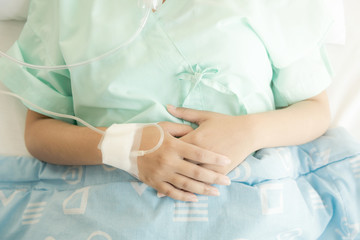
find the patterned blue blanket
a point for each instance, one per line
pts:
(307, 192)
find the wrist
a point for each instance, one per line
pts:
(253, 133)
(118, 144)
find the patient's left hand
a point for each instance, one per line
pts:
(231, 136)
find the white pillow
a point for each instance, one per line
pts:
(14, 9)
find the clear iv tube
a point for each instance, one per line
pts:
(61, 67)
(157, 146)
(60, 115)
(86, 124)
(149, 5)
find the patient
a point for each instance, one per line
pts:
(221, 85)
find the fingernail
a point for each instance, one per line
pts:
(160, 195)
(214, 192)
(171, 107)
(192, 198)
(224, 161)
(225, 181)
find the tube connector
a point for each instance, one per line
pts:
(152, 4)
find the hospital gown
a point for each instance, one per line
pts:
(232, 57)
(235, 57)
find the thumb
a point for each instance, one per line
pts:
(176, 129)
(188, 114)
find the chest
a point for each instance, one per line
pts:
(199, 54)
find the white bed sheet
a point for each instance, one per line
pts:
(344, 93)
(12, 111)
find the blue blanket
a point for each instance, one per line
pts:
(307, 192)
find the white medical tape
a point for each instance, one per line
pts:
(120, 146)
(120, 142)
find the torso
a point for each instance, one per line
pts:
(192, 53)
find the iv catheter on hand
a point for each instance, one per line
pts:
(111, 146)
(149, 5)
(116, 151)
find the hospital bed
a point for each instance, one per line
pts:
(344, 93)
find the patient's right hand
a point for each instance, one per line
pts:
(173, 169)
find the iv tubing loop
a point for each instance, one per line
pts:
(158, 145)
(54, 113)
(61, 67)
(60, 115)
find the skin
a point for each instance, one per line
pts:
(189, 161)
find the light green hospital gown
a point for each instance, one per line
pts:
(231, 56)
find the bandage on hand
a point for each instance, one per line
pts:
(120, 146)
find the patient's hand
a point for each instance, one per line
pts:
(171, 175)
(224, 134)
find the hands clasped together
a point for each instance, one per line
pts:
(189, 161)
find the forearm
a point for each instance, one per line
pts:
(297, 124)
(238, 136)
(57, 142)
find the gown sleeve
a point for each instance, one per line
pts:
(38, 44)
(293, 32)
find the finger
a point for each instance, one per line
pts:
(188, 114)
(193, 186)
(168, 190)
(160, 195)
(201, 174)
(176, 129)
(202, 156)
